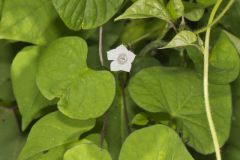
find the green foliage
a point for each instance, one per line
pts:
(147, 9)
(86, 14)
(52, 131)
(11, 139)
(183, 38)
(158, 142)
(30, 101)
(181, 106)
(59, 99)
(64, 62)
(87, 151)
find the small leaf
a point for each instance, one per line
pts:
(63, 73)
(155, 142)
(193, 11)
(179, 93)
(142, 29)
(224, 61)
(30, 100)
(183, 38)
(146, 9)
(52, 131)
(140, 119)
(57, 153)
(86, 14)
(87, 152)
(175, 8)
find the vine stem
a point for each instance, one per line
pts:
(226, 8)
(105, 117)
(205, 83)
(100, 48)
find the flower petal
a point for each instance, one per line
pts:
(122, 49)
(131, 56)
(115, 66)
(112, 54)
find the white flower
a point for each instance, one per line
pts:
(121, 59)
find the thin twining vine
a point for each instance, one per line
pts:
(216, 20)
(206, 84)
(105, 117)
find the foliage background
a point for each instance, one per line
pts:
(57, 101)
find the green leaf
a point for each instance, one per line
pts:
(155, 142)
(1, 5)
(140, 119)
(235, 40)
(30, 21)
(231, 19)
(224, 59)
(52, 131)
(86, 14)
(6, 56)
(63, 73)
(183, 38)
(143, 62)
(117, 129)
(206, 2)
(232, 149)
(30, 100)
(88, 152)
(57, 153)
(175, 8)
(6, 93)
(179, 93)
(11, 139)
(193, 11)
(144, 29)
(146, 9)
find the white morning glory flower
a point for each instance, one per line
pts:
(121, 59)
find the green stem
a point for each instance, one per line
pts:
(216, 20)
(100, 48)
(105, 117)
(205, 84)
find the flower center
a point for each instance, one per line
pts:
(122, 58)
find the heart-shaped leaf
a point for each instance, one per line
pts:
(30, 100)
(63, 73)
(52, 131)
(179, 92)
(155, 142)
(86, 14)
(183, 38)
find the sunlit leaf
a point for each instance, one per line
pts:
(179, 93)
(63, 73)
(156, 142)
